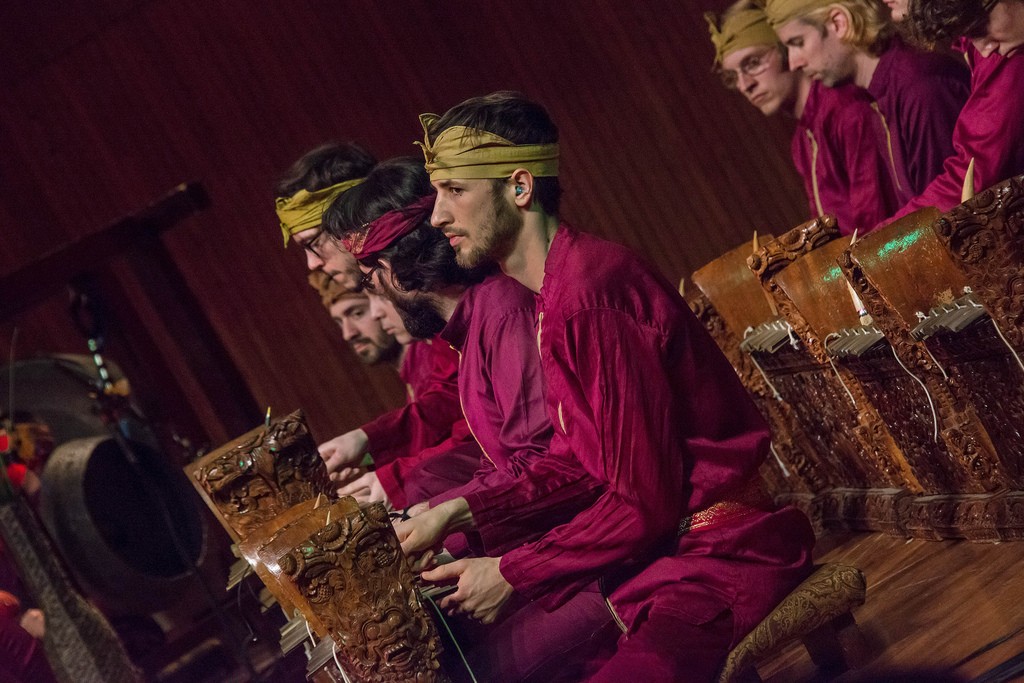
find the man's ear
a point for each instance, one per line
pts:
(522, 185)
(839, 23)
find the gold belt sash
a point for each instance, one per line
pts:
(746, 500)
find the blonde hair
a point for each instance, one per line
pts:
(871, 27)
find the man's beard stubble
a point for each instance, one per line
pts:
(420, 316)
(383, 350)
(497, 235)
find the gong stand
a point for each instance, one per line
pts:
(80, 644)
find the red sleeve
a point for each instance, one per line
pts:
(427, 419)
(520, 424)
(990, 130)
(930, 110)
(617, 421)
(548, 492)
(394, 475)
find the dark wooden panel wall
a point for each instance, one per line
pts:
(107, 104)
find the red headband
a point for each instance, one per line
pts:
(382, 232)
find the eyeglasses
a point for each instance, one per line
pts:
(366, 280)
(317, 243)
(752, 65)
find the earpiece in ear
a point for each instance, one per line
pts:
(519, 190)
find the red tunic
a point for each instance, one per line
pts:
(839, 150)
(920, 94)
(990, 130)
(645, 405)
(493, 328)
(430, 424)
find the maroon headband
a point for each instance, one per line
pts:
(382, 232)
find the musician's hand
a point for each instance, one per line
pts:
(346, 475)
(366, 489)
(342, 451)
(482, 591)
(421, 536)
(417, 509)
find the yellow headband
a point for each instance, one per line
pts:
(745, 28)
(305, 209)
(781, 12)
(469, 153)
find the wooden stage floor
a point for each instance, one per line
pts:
(938, 606)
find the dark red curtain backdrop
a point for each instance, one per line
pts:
(105, 105)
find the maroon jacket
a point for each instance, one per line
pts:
(840, 151)
(920, 95)
(990, 130)
(651, 420)
(501, 384)
(431, 423)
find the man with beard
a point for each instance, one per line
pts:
(690, 553)
(839, 144)
(990, 130)
(490, 320)
(350, 310)
(919, 94)
(431, 422)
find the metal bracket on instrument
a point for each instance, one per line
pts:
(948, 318)
(854, 341)
(238, 571)
(767, 337)
(320, 656)
(294, 633)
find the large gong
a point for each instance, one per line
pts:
(131, 532)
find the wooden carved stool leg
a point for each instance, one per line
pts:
(838, 645)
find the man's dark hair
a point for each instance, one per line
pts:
(423, 260)
(939, 21)
(391, 184)
(329, 164)
(510, 115)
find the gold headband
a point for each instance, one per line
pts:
(781, 12)
(470, 153)
(305, 209)
(742, 29)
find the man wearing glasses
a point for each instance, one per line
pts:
(306, 190)
(839, 145)
(431, 422)
(990, 130)
(918, 94)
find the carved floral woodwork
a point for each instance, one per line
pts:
(834, 398)
(256, 477)
(974, 517)
(983, 374)
(974, 383)
(352, 574)
(812, 396)
(783, 251)
(968, 463)
(250, 547)
(985, 237)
